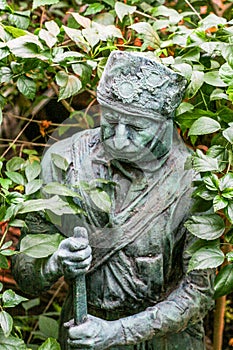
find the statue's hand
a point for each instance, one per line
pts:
(72, 258)
(95, 334)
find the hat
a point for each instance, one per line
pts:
(136, 84)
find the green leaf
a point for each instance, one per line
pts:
(6, 245)
(184, 107)
(15, 177)
(27, 46)
(197, 80)
(205, 258)
(48, 37)
(123, 10)
(219, 203)
(60, 161)
(0, 116)
(54, 204)
(5, 75)
(3, 262)
(27, 87)
(82, 20)
(220, 153)
(8, 252)
(33, 186)
(203, 163)
(207, 227)
(29, 304)
(48, 326)
(21, 19)
(151, 37)
(223, 283)
(204, 193)
(63, 190)
(94, 8)
(229, 212)
(184, 69)
(202, 243)
(17, 223)
(6, 323)
(228, 134)
(11, 299)
(101, 199)
(212, 78)
(12, 343)
(14, 164)
(218, 94)
(50, 344)
(204, 125)
(3, 4)
(226, 74)
(77, 37)
(15, 32)
(72, 87)
(212, 20)
(211, 182)
(37, 3)
(84, 71)
(226, 182)
(40, 245)
(32, 170)
(91, 35)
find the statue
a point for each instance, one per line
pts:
(139, 294)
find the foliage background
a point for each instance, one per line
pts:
(52, 54)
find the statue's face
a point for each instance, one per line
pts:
(130, 137)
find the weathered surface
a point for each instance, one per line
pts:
(138, 291)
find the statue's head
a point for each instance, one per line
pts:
(138, 96)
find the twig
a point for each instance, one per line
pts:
(194, 10)
(64, 102)
(20, 142)
(146, 15)
(38, 121)
(62, 283)
(86, 111)
(18, 136)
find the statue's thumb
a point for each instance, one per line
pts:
(80, 232)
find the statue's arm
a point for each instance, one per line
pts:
(188, 303)
(35, 275)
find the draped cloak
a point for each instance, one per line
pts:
(139, 268)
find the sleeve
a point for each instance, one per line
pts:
(31, 274)
(185, 306)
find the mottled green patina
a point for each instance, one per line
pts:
(139, 294)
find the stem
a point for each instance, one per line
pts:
(219, 323)
(61, 284)
(4, 236)
(194, 10)
(17, 137)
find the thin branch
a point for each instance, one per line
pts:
(64, 102)
(146, 15)
(18, 136)
(194, 10)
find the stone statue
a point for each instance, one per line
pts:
(139, 294)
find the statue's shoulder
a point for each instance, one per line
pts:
(65, 149)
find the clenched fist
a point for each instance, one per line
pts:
(73, 256)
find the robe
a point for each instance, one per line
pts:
(139, 246)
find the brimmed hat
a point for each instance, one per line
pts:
(136, 84)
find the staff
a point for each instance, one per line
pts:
(79, 286)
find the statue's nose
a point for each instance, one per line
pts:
(121, 136)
